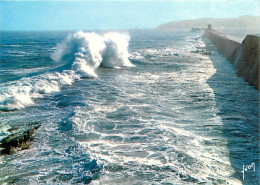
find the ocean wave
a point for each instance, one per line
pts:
(87, 51)
(116, 52)
(83, 52)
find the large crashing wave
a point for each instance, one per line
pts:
(84, 52)
(116, 52)
(87, 51)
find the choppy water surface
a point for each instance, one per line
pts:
(169, 115)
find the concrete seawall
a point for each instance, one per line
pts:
(243, 55)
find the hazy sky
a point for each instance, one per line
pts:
(87, 15)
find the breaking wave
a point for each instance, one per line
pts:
(83, 53)
(116, 52)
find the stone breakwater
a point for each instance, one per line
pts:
(243, 55)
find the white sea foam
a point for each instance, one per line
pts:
(136, 56)
(22, 93)
(83, 52)
(116, 53)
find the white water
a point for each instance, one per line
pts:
(178, 117)
(84, 51)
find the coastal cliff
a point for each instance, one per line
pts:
(243, 55)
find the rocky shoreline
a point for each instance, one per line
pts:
(19, 139)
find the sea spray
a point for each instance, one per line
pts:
(116, 52)
(84, 52)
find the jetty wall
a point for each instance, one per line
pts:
(243, 55)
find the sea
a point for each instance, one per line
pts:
(128, 107)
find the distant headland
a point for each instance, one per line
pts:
(244, 22)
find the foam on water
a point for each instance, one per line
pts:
(161, 141)
(22, 93)
(174, 119)
(84, 53)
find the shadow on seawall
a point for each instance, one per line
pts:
(238, 105)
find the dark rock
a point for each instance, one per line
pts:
(18, 140)
(7, 110)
